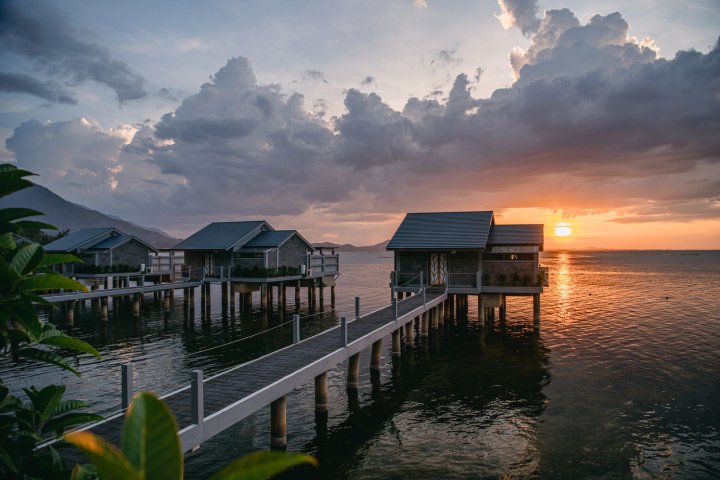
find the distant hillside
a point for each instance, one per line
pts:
(68, 215)
(347, 247)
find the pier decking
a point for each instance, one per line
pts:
(207, 407)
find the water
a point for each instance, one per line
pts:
(621, 382)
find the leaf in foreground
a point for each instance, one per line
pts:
(263, 465)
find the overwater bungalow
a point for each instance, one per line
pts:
(468, 254)
(103, 250)
(252, 255)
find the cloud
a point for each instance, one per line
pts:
(445, 58)
(314, 75)
(595, 122)
(420, 4)
(40, 33)
(367, 80)
(519, 13)
(20, 83)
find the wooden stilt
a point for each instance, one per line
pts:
(278, 424)
(375, 355)
(321, 393)
(353, 371)
(396, 343)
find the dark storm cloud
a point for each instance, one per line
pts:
(595, 122)
(21, 83)
(39, 32)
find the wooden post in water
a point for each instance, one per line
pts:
(104, 308)
(503, 308)
(136, 305)
(322, 296)
(536, 310)
(166, 302)
(409, 333)
(332, 295)
(263, 296)
(321, 394)
(375, 355)
(396, 343)
(70, 307)
(297, 295)
(434, 313)
(441, 314)
(224, 294)
(353, 372)
(278, 424)
(283, 295)
(270, 299)
(424, 324)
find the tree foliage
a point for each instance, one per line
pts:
(24, 274)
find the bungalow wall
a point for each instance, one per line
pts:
(292, 253)
(195, 260)
(131, 253)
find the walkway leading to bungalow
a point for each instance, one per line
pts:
(207, 407)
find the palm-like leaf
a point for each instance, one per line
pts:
(27, 258)
(46, 356)
(50, 282)
(262, 465)
(150, 439)
(110, 462)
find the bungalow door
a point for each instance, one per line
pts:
(438, 268)
(209, 263)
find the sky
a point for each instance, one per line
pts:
(336, 117)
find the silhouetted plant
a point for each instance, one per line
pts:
(25, 270)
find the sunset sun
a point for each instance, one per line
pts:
(563, 229)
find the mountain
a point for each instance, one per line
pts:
(347, 247)
(68, 215)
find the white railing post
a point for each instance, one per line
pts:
(127, 384)
(197, 407)
(357, 308)
(343, 332)
(393, 280)
(296, 328)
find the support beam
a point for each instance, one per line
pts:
(424, 324)
(375, 355)
(70, 307)
(434, 313)
(536, 310)
(332, 296)
(396, 343)
(278, 424)
(104, 309)
(409, 333)
(353, 371)
(136, 305)
(321, 393)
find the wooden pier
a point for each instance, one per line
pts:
(208, 406)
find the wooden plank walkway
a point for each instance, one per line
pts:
(118, 292)
(238, 392)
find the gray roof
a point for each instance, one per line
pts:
(110, 242)
(442, 231)
(270, 239)
(76, 239)
(529, 234)
(219, 235)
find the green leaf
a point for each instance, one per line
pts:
(50, 282)
(26, 258)
(84, 472)
(46, 357)
(45, 401)
(11, 182)
(59, 339)
(69, 420)
(10, 214)
(110, 462)
(7, 242)
(68, 406)
(150, 440)
(263, 465)
(58, 258)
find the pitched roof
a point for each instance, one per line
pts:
(270, 238)
(442, 231)
(76, 239)
(110, 242)
(219, 235)
(517, 234)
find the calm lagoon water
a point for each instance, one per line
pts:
(622, 381)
